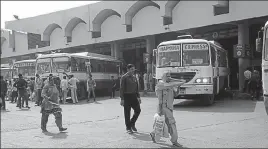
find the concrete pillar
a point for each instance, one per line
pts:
(138, 63)
(112, 49)
(150, 45)
(243, 63)
(117, 52)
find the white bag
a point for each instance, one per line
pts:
(0, 100)
(160, 126)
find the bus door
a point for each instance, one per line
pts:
(216, 70)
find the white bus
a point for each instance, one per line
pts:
(25, 67)
(203, 64)
(264, 48)
(7, 73)
(101, 68)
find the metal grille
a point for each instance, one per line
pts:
(188, 76)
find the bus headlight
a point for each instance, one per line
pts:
(203, 80)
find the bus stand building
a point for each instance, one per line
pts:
(128, 30)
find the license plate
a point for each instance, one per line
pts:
(182, 91)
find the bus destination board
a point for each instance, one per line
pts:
(169, 48)
(202, 46)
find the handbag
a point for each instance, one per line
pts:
(159, 122)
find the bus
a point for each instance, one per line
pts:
(7, 73)
(25, 67)
(262, 45)
(101, 67)
(202, 63)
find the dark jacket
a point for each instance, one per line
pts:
(3, 87)
(21, 84)
(129, 85)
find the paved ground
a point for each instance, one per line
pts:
(229, 123)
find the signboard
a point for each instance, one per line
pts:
(202, 46)
(169, 48)
(242, 51)
(146, 57)
(24, 64)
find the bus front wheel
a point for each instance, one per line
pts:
(209, 100)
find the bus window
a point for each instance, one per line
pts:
(213, 56)
(222, 58)
(169, 55)
(196, 55)
(266, 46)
(61, 64)
(94, 66)
(78, 64)
(43, 65)
(74, 66)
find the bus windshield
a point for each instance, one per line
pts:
(169, 56)
(61, 64)
(266, 45)
(43, 65)
(196, 54)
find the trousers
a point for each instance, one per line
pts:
(44, 120)
(171, 124)
(74, 95)
(131, 101)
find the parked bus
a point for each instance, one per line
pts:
(25, 67)
(263, 46)
(203, 64)
(101, 67)
(7, 73)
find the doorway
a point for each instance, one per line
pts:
(233, 62)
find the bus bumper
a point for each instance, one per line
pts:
(195, 91)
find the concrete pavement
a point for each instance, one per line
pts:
(228, 123)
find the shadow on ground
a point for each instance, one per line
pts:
(60, 135)
(220, 106)
(91, 101)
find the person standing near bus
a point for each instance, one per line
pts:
(130, 98)
(73, 85)
(165, 93)
(145, 80)
(113, 88)
(38, 84)
(247, 75)
(64, 88)
(3, 92)
(91, 85)
(151, 79)
(21, 85)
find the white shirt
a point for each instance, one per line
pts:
(64, 84)
(73, 82)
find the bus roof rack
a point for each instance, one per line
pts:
(185, 37)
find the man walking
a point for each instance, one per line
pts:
(130, 98)
(3, 92)
(21, 85)
(39, 85)
(165, 93)
(64, 88)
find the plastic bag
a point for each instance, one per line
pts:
(160, 126)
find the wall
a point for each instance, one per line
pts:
(148, 21)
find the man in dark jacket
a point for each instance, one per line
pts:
(3, 91)
(130, 98)
(21, 85)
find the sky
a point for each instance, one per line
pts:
(25, 9)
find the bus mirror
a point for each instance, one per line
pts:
(154, 52)
(258, 45)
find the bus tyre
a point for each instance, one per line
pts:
(209, 100)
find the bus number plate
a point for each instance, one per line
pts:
(182, 91)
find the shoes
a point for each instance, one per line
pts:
(129, 131)
(44, 130)
(176, 144)
(134, 129)
(28, 107)
(153, 137)
(62, 129)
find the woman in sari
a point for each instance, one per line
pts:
(50, 105)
